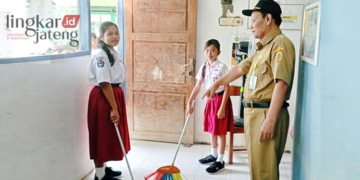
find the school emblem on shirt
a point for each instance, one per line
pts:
(100, 63)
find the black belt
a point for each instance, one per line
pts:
(262, 104)
(114, 85)
(220, 93)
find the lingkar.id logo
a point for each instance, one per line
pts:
(33, 24)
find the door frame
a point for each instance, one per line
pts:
(120, 13)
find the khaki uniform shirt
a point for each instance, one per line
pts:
(273, 60)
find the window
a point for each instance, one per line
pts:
(101, 14)
(35, 28)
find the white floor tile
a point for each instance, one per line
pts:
(187, 168)
(146, 157)
(188, 177)
(237, 171)
(201, 172)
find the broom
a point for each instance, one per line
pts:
(170, 172)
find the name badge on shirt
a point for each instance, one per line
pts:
(253, 80)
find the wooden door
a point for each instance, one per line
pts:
(160, 41)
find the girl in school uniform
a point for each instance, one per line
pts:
(106, 74)
(218, 113)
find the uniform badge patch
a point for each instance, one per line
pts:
(278, 56)
(100, 63)
(215, 78)
(279, 49)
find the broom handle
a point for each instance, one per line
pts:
(182, 133)
(123, 150)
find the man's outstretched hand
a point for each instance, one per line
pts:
(210, 93)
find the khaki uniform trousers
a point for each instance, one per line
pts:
(265, 157)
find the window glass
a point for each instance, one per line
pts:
(39, 27)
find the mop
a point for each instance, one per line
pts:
(123, 150)
(170, 172)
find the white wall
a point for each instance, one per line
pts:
(43, 124)
(208, 28)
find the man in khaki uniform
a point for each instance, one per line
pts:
(268, 85)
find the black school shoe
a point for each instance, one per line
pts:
(112, 173)
(109, 174)
(216, 167)
(208, 159)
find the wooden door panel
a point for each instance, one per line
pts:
(159, 16)
(159, 63)
(160, 4)
(160, 40)
(155, 112)
(147, 22)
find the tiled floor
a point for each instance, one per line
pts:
(145, 157)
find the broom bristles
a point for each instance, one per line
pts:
(170, 172)
(177, 176)
(160, 176)
(154, 176)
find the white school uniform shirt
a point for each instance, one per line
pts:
(102, 71)
(213, 73)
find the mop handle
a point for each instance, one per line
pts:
(182, 133)
(123, 150)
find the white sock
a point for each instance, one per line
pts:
(220, 158)
(100, 172)
(214, 152)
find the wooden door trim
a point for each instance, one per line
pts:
(192, 10)
(129, 63)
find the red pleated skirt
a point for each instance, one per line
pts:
(213, 125)
(103, 140)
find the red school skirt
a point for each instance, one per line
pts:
(213, 125)
(103, 140)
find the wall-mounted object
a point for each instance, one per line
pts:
(225, 19)
(231, 21)
(310, 34)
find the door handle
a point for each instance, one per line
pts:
(191, 64)
(188, 73)
(191, 68)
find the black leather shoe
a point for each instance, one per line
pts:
(112, 173)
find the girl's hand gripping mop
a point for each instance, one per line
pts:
(170, 172)
(123, 150)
